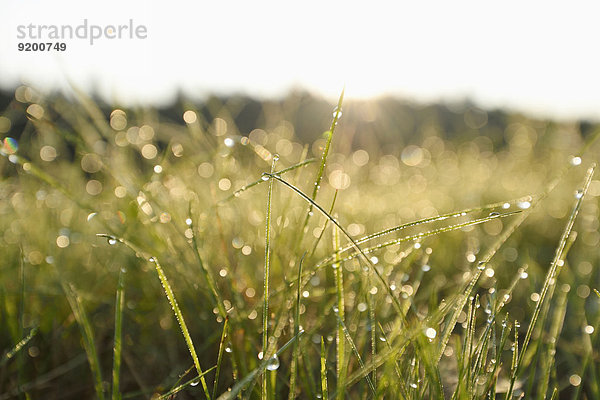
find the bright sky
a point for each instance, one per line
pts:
(536, 56)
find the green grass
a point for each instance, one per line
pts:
(419, 258)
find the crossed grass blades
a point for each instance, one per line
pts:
(434, 306)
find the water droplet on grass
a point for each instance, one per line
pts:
(481, 265)
(578, 193)
(91, 216)
(265, 177)
(337, 112)
(426, 267)
(112, 241)
(273, 363)
(275, 157)
(575, 160)
(195, 383)
(430, 333)
(188, 221)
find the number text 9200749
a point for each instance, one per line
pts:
(43, 46)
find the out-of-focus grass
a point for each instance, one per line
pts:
(403, 310)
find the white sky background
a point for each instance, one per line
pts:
(540, 57)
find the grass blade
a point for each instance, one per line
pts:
(295, 354)
(551, 275)
(340, 358)
(172, 301)
(18, 347)
(239, 191)
(317, 185)
(324, 392)
(220, 357)
(357, 354)
(119, 302)
(358, 249)
(179, 316)
(265, 324)
(88, 337)
(171, 393)
(254, 374)
(218, 302)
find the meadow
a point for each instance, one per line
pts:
(277, 249)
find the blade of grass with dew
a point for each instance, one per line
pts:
(464, 294)
(179, 316)
(340, 356)
(21, 317)
(330, 260)
(324, 392)
(442, 217)
(317, 184)
(325, 225)
(220, 357)
(18, 347)
(88, 337)
(465, 372)
(307, 375)
(453, 303)
(358, 249)
(171, 393)
(373, 331)
(539, 336)
(172, 301)
(399, 381)
(416, 237)
(547, 363)
(550, 276)
(492, 381)
(493, 313)
(254, 374)
(431, 378)
(514, 361)
(265, 325)
(205, 273)
(590, 344)
(294, 365)
(117, 344)
(239, 191)
(356, 353)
